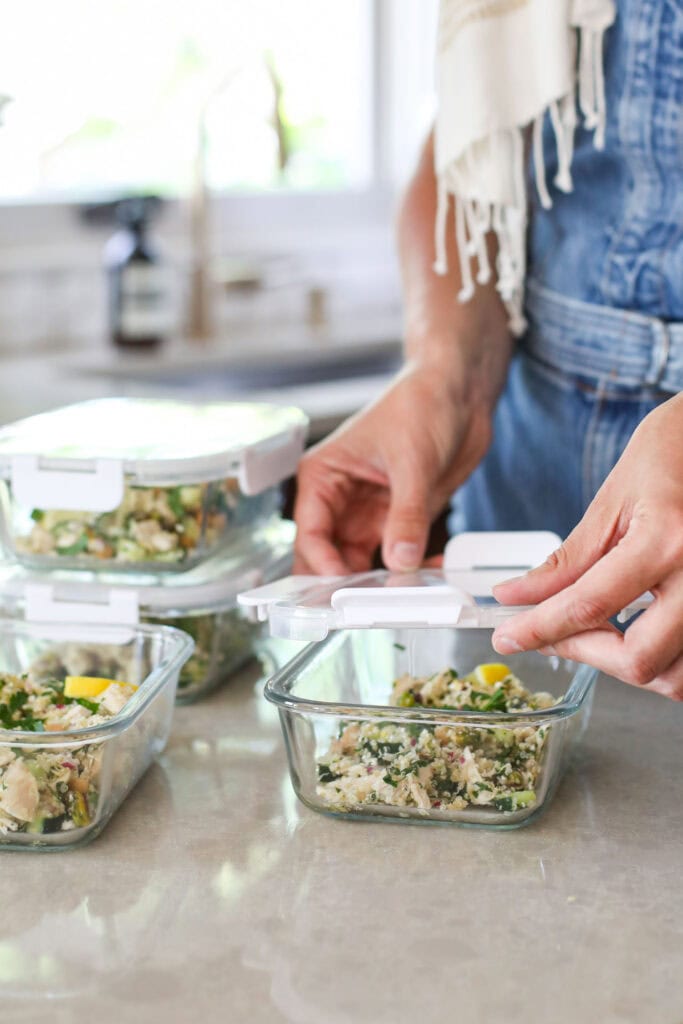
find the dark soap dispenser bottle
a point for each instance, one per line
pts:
(137, 279)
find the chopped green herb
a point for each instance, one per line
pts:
(175, 503)
(76, 548)
(407, 700)
(91, 705)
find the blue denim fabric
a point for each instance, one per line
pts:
(617, 238)
(583, 378)
(606, 288)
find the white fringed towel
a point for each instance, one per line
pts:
(501, 66)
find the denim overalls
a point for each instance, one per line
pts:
(604, 295)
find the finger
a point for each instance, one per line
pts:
(435, 562)
(595, 534)
(649, 655)
(604, 649)
(654, 641)
(315, 547)
(300, 567)
(320, 557)
(600, 648)
(670, 683)
(408, 520)
(358, 557)
(608, 586)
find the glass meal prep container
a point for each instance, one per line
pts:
(61, 779)
(140, 484)
(399, 708)
(202, 602)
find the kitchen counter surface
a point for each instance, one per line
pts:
(214, 896)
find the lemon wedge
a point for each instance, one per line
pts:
(89, 686)
(491, 673)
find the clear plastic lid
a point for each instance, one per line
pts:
(457, 595)
(86, 449)
(63, 596)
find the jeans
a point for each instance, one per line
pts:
(582, 380)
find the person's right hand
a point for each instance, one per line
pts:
(383, 476)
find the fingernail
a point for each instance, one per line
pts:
(405, 555)
(506, 645)
(547, 650)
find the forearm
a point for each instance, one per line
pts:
(468, 343)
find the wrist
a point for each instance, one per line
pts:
(471, 371)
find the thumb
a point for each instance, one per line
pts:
(584, 546)
(407, 526)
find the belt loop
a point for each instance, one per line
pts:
(660, 352)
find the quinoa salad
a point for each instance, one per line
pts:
(152, 524)
(52, 789)
(443, 767)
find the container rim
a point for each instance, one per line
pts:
(181, 649)
(278, 690)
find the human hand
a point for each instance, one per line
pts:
(629, 541)
(385, 474)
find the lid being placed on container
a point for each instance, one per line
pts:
(77, 457)
(87, 597)
(459, 594)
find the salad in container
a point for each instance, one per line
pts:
(399, 708)
(127, 484)
(71, 748)
(202, 602)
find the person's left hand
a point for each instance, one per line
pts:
(629, 541)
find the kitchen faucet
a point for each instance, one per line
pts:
(200, 320)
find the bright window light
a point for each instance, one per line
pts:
(108, 97)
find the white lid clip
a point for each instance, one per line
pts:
(96, 487)
(44, 604)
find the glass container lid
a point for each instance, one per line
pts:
(457, 595)
(82, 452)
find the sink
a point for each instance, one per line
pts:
(238, 378)
(329, 377)
(230, 370)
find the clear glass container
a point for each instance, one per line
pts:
(142, 485)
(101, 763)
(401, 709)
(153, 529)
(337, 692)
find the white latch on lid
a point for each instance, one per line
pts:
(390, 606)
(99, 488)
(43, 604)
(478, 561)
(273, 460)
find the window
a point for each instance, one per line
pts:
(110, 97)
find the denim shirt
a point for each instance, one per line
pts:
(617, 239)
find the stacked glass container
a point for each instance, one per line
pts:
(129, 527)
